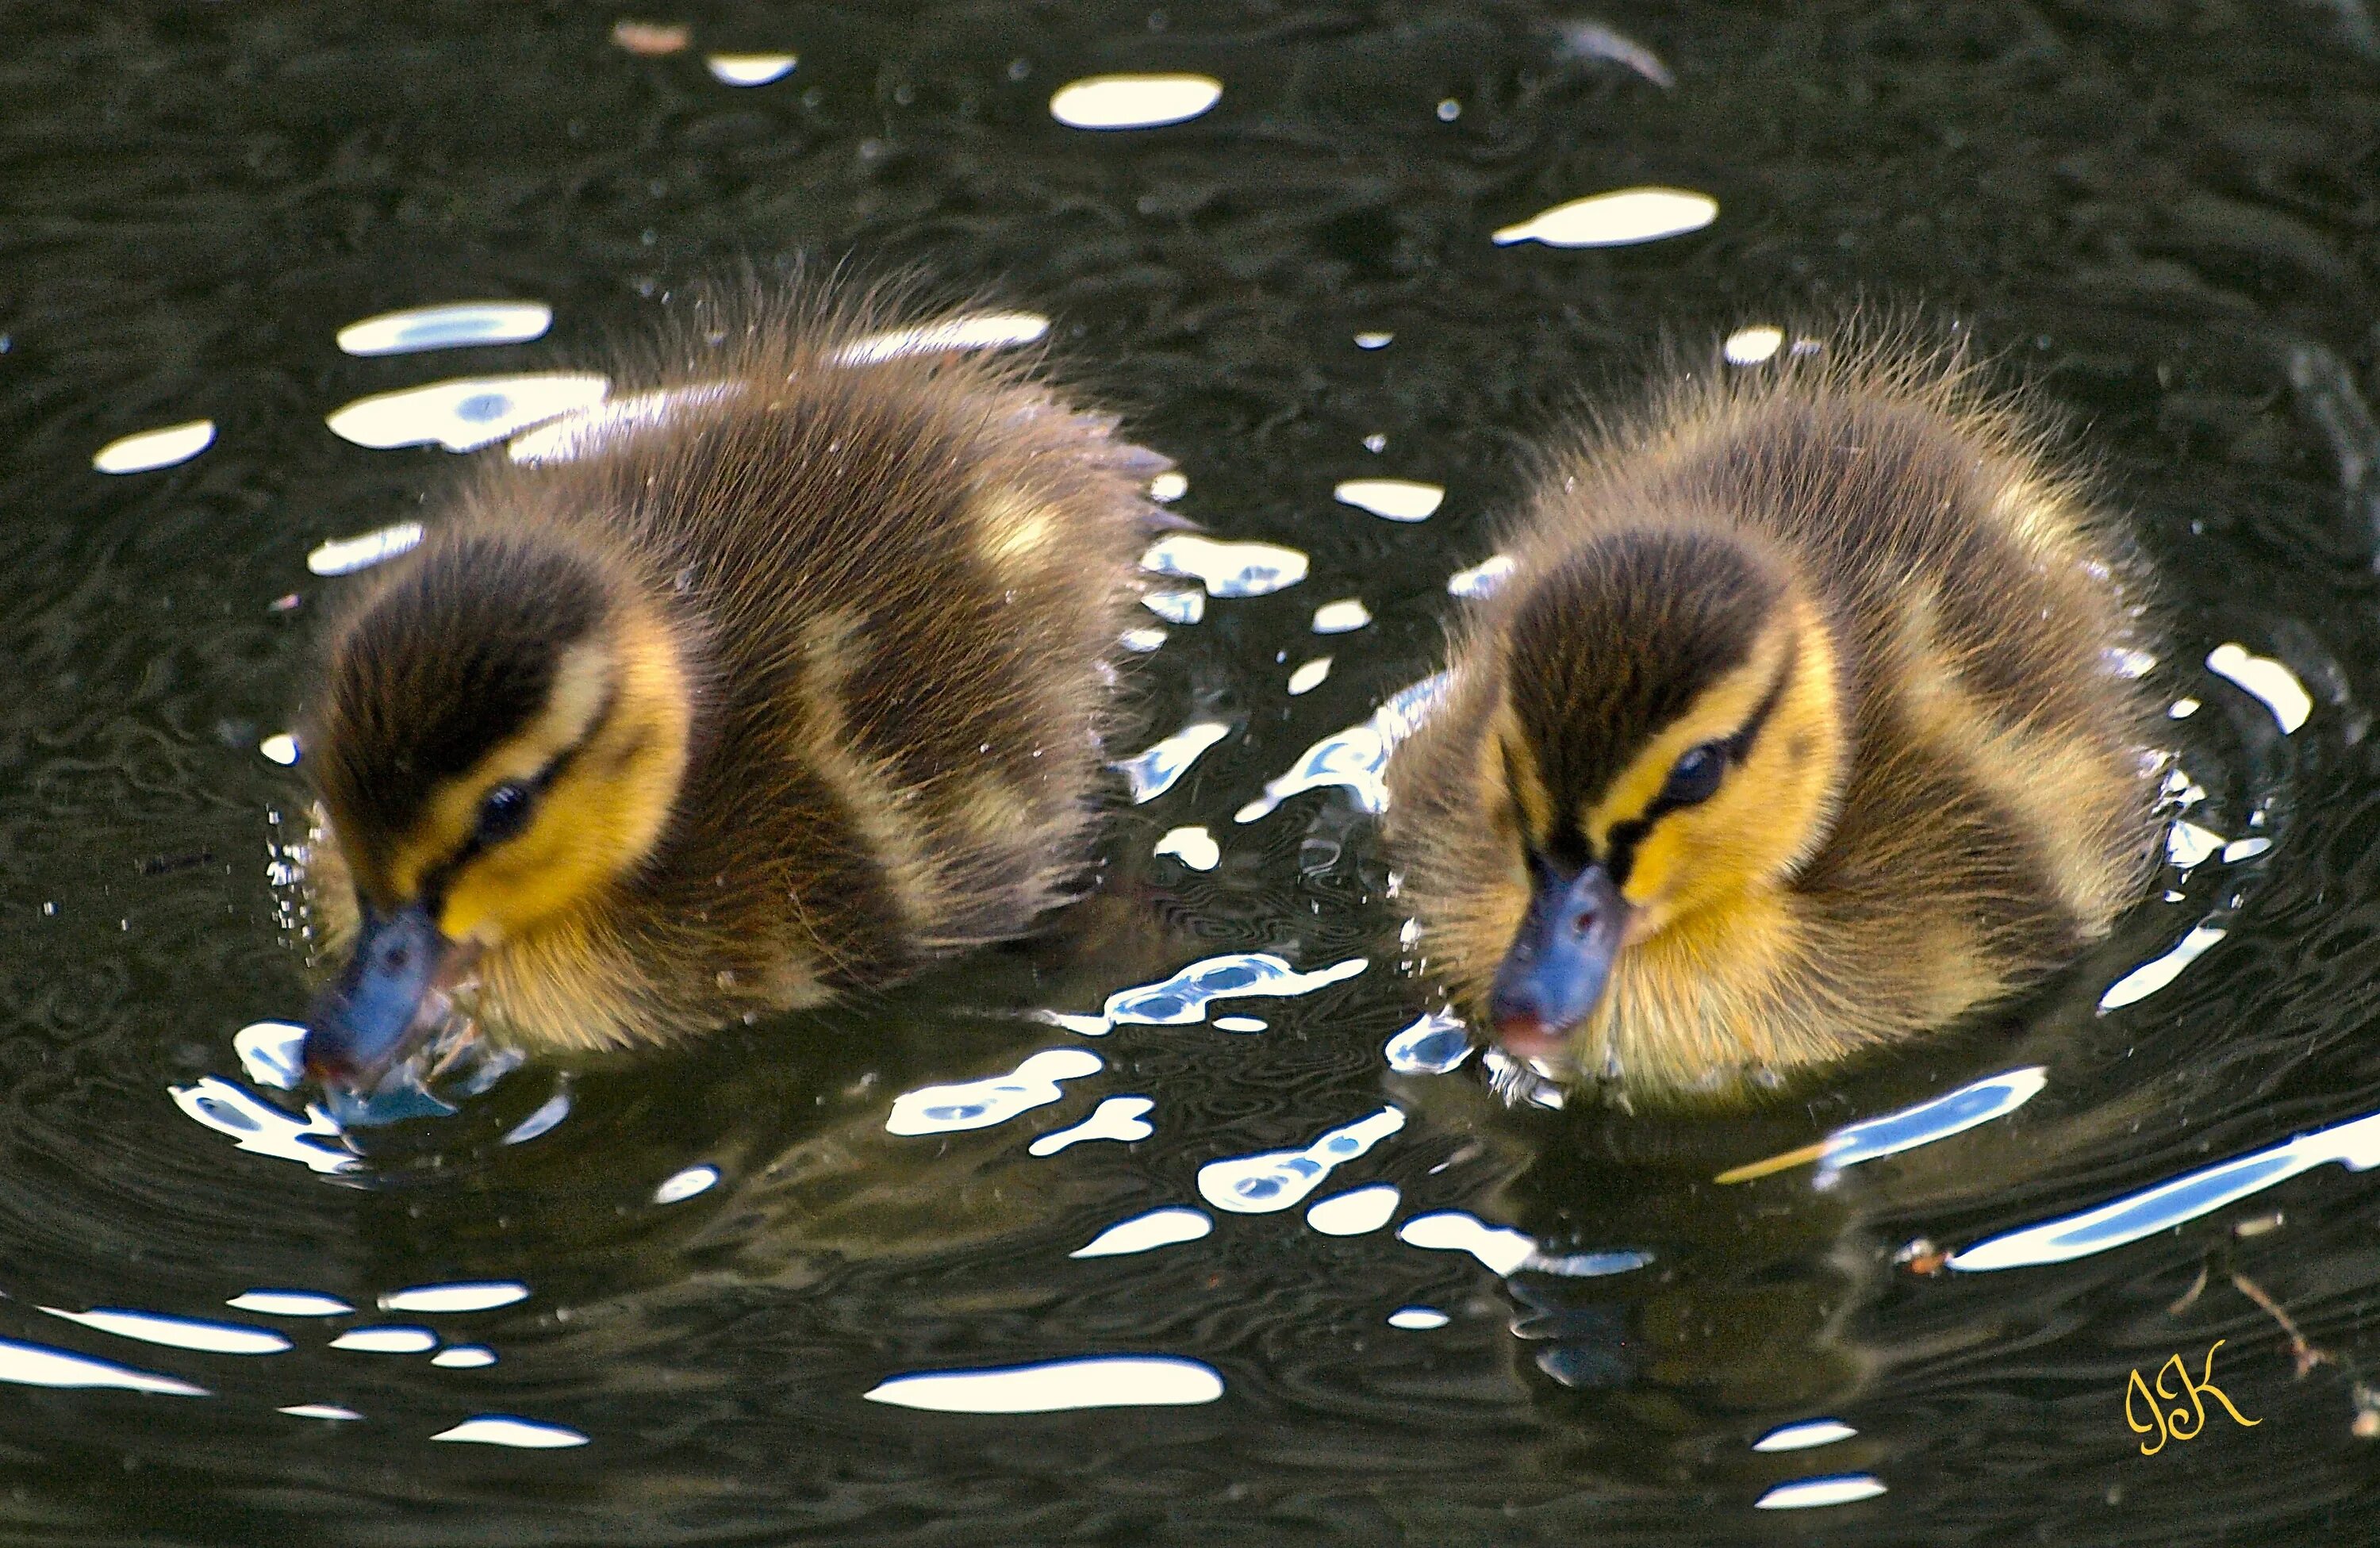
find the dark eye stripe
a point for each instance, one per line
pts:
(1620, 845)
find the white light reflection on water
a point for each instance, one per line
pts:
(1169, 486)
(38, 1365)
(1355, 758)
(598, 427)
(464, 1357)
(1194, 846)
(346, 555)
(1810, 1492)
(1394, 499)
(1227, 569)
(1097, 1381)
(386, 1340)
(994, 1100)
(678, 1187)
(464, 413)
(1379, 340)
(1153, 772)
(1358, 1212)
(272, 1052)
(549, 1113)
(1802, 1436)
(1434, 1044)
(263, 1129)
(1419, 1319)
(1176, 607)
(2188, 846)
(1123, 1118)
(289, 1303)
(1342, 618)
(1183, 999)
(1238, 1024)
(2159, 972)
(1952, 1113)
(1280, 1179)
(484, 1295)
(318, 1410)
(1620, 218)
(280, 747)
(2354, 1145)
(1309, 676)
(451, 326)
(510, 1429)
(990, 330)
(1146, 1233)
(1133, 102)
(152, 449)
(179, 1332)
(1752, 345)
(750, 69)
(1482, 578)
(2267, 680)
(1500, 1249)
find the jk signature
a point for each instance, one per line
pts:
(2180, 1423)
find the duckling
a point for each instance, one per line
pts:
(773, 681)
(1802, 728)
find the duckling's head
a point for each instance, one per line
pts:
(500, 732)
(1666, 743)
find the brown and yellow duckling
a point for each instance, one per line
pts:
(1800, 729)
(777, 687)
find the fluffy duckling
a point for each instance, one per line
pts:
(1800, 729)
(775, 680)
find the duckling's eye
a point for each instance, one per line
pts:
(1694, 777)
(504, 812)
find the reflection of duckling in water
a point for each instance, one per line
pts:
(777, 694)
(1797, 731)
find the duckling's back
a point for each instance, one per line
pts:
(1990, 808)
(1984, 615)
(896, 580)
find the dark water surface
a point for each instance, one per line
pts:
(2166, 216)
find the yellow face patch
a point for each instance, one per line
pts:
(616, 724)
(1770, 811)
